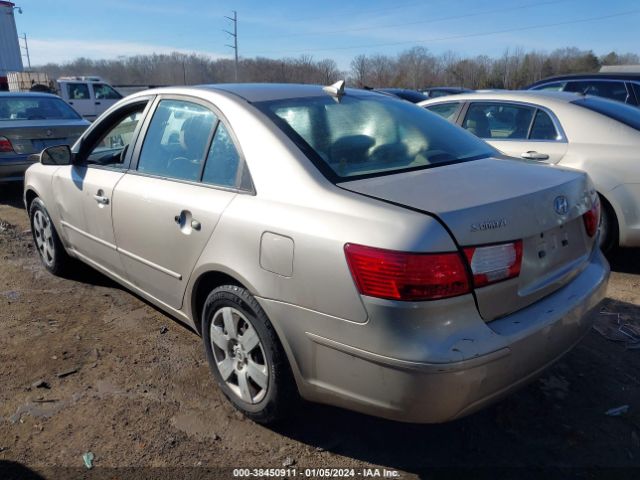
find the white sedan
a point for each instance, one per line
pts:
(589, 133)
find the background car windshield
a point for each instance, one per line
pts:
(618, 111)
(34, 108)
(372, 135)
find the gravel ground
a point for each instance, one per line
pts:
(85, 366)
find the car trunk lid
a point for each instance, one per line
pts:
(491, 201)
(33, 136)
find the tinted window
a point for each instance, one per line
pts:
(105, 92)
(623, 113)
(543, 127)
(367, 134)
(177, 140)
(112, 146)
(599, 88)
(445, 110)
(499, 121)
(223, 160)
(78, 91)
(551, 87)
(35, 108)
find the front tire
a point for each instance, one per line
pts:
(50, 248)
(245, 355)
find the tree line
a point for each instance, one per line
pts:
(413, 68)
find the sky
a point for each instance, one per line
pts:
(336, 29)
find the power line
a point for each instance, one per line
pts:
(418, 22)
(456, 37)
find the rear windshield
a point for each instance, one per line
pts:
(35, 108)
(368, 135)
(616, 110)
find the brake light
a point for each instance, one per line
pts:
(591, 218)
(5, 145)
(494, 263)
(406, 276)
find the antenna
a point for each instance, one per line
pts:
(336, 90)
(234, 34)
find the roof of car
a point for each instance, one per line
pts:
(27, 94)
(583, 76)
(260, 92)
(533, 96)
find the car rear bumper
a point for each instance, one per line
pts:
(12, 168)
(486, 360)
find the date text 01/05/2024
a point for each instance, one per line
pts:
(315, 473)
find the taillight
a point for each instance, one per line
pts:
(5, 145)
(591, 218)
(406, 276)
(494, 263)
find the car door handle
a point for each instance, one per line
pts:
(533, 155)
(184, 219)
(97, 103)
(102, 200)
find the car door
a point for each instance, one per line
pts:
(83, 191)
(517, 129)
(80, 97)
(188, 169)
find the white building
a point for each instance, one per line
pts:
(10, 54)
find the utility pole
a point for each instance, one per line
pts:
(234, 19)
(26, 49)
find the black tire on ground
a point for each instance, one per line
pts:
(54, 257)
(609, 233)
(272, 403)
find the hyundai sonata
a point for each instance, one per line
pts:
(339, 244)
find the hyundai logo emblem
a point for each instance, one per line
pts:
(561, 205)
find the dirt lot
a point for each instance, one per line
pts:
(138, 393)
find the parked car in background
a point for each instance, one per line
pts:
(594, 134)
(412, 96)
(88, 95)
(30, 122)
(623, 87)
(434, 92)
(337, 243)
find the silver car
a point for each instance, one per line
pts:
(599, 136)
(340, 244)
(30, 122)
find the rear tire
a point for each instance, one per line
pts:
(609, 233)
(245, 355)
(50, 249)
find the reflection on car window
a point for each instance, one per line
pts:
(110, 149)
(499, 121)
(78, 91)
(223, 159)
(599, 88)
(105, 92)
(367, 134)
(445, 110)
(177, 140)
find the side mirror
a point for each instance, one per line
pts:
(57, 155)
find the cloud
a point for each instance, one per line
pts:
(63, 50)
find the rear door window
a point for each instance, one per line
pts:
(551, 87)
(177, 140)
(78, 91)
(223, 160)
(543, 128)
(499, 121)
(446, 110)
(616, 90)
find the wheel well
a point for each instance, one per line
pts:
(30, 195)
(612, 211)
(204, 285)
